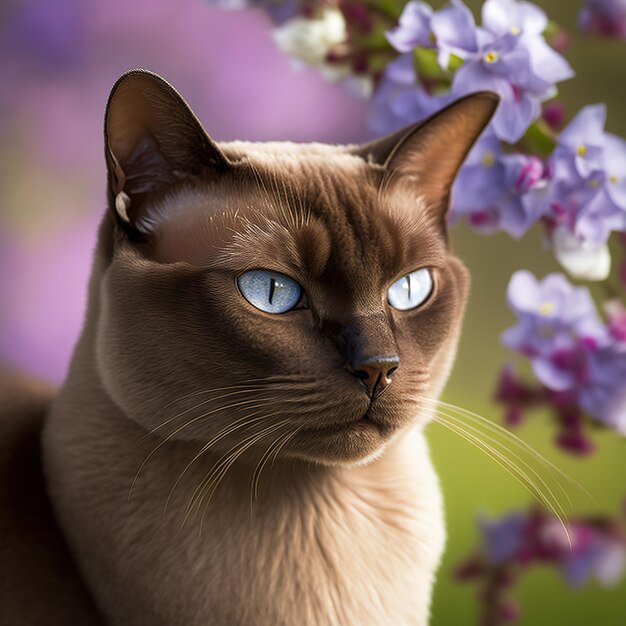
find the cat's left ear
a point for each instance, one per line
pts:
(152, 140)
(427, 156)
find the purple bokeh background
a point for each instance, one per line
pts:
(58, 61)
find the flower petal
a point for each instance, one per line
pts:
(581, 259)
(413, 28)
(455, 30)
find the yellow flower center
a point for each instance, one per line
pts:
(515, 30)
(613, 178)
(488, 159)
(581, 150)
(546, 308)
(491, 56)
(594, 183)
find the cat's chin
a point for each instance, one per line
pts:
(355, 443)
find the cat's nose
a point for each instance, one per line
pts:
(375, 373)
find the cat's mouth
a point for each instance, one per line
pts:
(367, 423)
(357, 429)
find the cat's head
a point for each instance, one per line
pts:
(278, 294)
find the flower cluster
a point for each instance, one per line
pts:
(584, 197)
(578, 360)
(573, 183)
(604, 17)
(587, 547)
(492, 190)
(508, 54)
(578, 193)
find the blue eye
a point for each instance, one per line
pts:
(411, 290)
(269, 291)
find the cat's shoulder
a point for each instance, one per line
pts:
(39, 582)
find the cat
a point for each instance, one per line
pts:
(239, 439)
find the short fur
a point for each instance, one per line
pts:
(177, 378)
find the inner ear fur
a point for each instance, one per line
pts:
(152, 140)
(428, 155)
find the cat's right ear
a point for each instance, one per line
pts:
(152, 140)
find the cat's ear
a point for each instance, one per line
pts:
(152, 139)
(428, 155)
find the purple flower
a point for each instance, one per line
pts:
(604, 396)
(535, 537)
(580, 144)
(455, 32)
(490, 190)
(586, 154)
(604, 17)
(593, 553)
(480, 183)
(509, 55)
(400, 99)
(413, 28)
(557, 326)
(503, 538)
(570, 349)
(451, 30)
(585, 199)
(501, 17)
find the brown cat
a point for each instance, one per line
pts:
(264, 323)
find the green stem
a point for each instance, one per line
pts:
(388, 8)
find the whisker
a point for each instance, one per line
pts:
(212, 488)
(182, 427)
(246, 383)
(243, 383)
(273, 449)
(509, 466)
(281, 447)
(507, 450)
(516, 441)
(228, 430)
(196, 406)
(223, 464)
(219, 463)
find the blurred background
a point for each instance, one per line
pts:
(58, 61)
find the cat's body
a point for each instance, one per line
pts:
(340, 547)
(39, 581)
(346, 528)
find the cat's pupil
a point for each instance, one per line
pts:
(272, 288)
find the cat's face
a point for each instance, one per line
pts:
(268, 295)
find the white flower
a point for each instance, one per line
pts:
(310, 40)
(582, 259)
